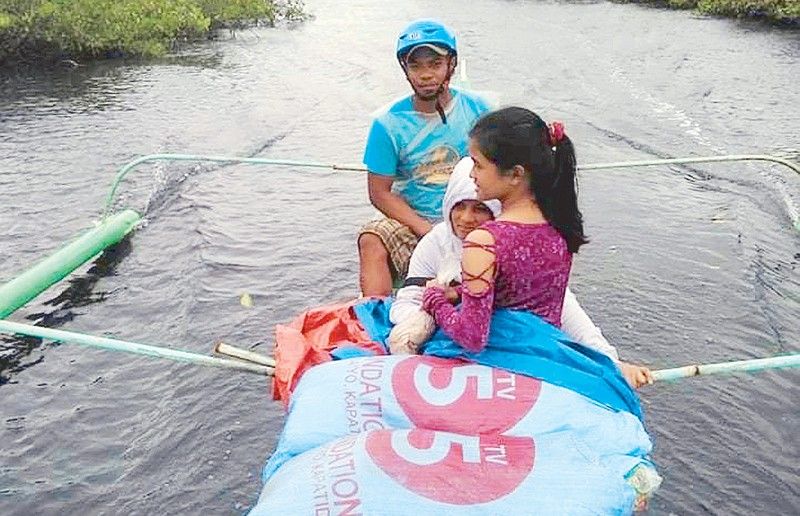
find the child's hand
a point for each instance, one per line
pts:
(636, 375)
(453, 295)
(434, 283)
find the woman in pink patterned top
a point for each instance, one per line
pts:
(522, 259)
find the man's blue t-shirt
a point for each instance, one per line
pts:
(419, 151)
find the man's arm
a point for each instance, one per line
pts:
(394, 206)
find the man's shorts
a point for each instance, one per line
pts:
(399, 241)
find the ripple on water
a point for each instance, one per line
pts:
(686, 264)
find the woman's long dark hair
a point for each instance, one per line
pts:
(516, 136)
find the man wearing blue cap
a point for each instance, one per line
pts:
(411, 150)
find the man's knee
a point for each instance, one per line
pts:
(370, 245)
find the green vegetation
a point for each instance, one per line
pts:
(784, 12)
(34, 29)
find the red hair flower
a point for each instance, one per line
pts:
(556, 133)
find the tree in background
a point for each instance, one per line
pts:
(37, 29)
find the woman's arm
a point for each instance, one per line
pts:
(469, 326)
(579, 327)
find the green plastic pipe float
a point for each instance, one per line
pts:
(38, 278)
(246, 364)
(123, 171)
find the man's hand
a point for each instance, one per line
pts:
(421, 228)
(393, 206)
(636, 375)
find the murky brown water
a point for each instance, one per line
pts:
(686, 264)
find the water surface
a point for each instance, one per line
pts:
(686, 264)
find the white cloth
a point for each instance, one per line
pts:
(580, 328)
(426, 261)
(407, 336)
(417, 325)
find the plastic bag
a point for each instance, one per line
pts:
(408, 335)
(358, 395)
(419, 471)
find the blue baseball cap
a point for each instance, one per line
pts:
(426, 33)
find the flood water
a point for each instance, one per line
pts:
(685, 265)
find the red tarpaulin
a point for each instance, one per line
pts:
(309, 339)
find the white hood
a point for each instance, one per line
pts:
(461, 187)
(438, 254)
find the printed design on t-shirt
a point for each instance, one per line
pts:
(436, 168)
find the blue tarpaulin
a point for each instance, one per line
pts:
(525, 344)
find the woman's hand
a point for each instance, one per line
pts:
(636, 375)
(433, 296)
(453, 295)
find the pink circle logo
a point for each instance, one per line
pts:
(487, 466)
(442, 394)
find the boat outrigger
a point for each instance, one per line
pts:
(501, 431)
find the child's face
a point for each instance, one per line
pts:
(467, 215)
(489, 182)
(427, 71)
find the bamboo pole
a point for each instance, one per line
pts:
(123, 171)
(177, 355)
(244, 354)
(757, 364)
(265, 365)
